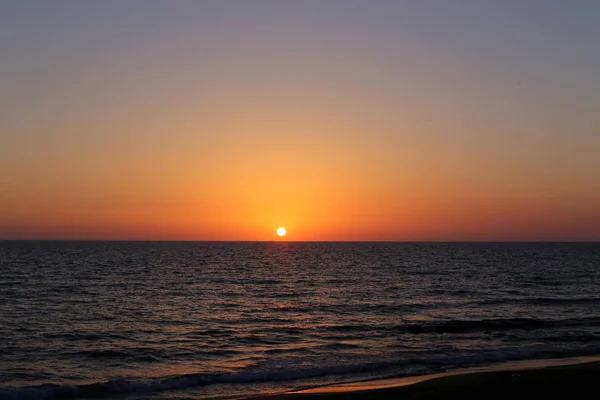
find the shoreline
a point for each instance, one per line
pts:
(536, 378)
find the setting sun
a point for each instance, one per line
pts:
(281, 231)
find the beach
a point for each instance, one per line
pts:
(572, 378)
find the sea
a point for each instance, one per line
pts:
(226, 320)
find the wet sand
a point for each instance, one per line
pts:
(574, 378)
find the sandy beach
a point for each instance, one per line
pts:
(537, 379)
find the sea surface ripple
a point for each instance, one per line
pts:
(168, 320)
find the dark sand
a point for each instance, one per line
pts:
(543, 379)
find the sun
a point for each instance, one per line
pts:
(281, 231)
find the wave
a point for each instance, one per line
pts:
(542, 301)
(575, 338)
(496, 324)
(77, 336)
(124, 387)
(466, 326)
(104, 354)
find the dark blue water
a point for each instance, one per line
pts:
(214, 320)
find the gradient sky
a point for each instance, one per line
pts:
(340, 120)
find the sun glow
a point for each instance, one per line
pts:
(281, 231)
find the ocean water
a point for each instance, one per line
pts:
(196, 320)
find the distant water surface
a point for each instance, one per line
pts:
(167, 320)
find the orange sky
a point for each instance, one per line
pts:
(339, 124)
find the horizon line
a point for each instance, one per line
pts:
(298, 241)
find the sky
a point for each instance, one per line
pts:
(339, 120)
